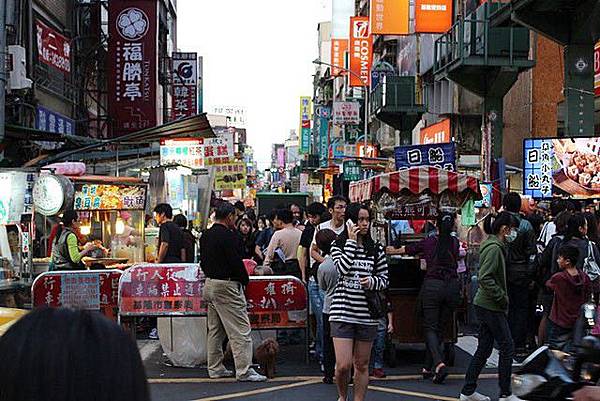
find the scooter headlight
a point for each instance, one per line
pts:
(526, 383)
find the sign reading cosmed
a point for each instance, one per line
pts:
(361, 51)
(132, 65)
(390, 17)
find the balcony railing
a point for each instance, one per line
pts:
(54, 82)
(473, 40)
(396, 94)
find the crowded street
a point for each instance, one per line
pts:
(351, 200)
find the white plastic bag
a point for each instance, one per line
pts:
(188, 348)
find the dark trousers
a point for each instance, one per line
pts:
(328, 349)
(492, 326)
(439, 300)
(519, 312)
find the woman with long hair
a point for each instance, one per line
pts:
(65, 246)
(491, 308)
(440, 293)
(577, 235)
(245, 230)
(361, 265)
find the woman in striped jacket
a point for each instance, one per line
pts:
(361, 265)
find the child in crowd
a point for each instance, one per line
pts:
(571, 288)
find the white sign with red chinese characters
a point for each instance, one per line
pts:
(219, 150)
(346, 113)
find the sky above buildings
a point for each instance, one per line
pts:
(257, 55)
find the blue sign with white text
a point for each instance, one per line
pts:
(441, 155)
(51, 121)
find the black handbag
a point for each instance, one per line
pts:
(377, 303)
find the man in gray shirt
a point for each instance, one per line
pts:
(327, 277)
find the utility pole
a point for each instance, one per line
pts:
(2, 65)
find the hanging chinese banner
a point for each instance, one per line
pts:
(339, 48)
(305, 117)
(433, 16)
(361, 51)
(185, 84)
(390, 17)
(132, 65)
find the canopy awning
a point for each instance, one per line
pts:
(415, 180)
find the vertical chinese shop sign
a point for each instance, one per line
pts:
(305, 116)
(132, 65)
(185, 84)
(361, 51)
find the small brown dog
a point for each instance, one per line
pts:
(266, 356)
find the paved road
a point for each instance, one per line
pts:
(298, 381)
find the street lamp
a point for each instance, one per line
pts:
(366, 88)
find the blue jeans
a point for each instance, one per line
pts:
(316, 305)
(379, 344)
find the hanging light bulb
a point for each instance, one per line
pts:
(119, 226)
(86, 228)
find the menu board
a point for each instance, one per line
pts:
(567, 167)
(109, 197)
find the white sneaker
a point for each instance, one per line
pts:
(153, 334)
(222, 374)
(511, 397)
(474, 397)
(252, 376)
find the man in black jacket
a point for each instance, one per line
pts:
(520, 276)
(226, 278)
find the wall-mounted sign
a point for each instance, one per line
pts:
(109, 197)
(339, 48)
(219, 150)
(361, 51)
(185, 85)
(436, 133)
(562, 167)
(352, 170)
(597, 69)
(132, 65)
(441, 155)
(390, 17)
(305, 118)
(52, 194)
(433, 16)
(346, 113)
(187, 152)
(54, 49)
(230, 176)
(380, 70)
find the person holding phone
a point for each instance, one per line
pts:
(361, 265)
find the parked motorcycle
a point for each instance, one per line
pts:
(554, 375)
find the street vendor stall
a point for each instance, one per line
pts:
(111, 214)
(404, 201)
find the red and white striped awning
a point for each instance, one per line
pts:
(416, 180)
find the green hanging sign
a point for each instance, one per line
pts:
(352, 170)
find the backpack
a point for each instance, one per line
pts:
(590, 265)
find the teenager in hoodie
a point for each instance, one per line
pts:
(571, 288)
(491, 307)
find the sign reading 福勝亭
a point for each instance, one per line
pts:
(339, 48)
(441, 155)
(346, 113)
(54, 49)
(132, 65)
(91, 289)
(390, 17)
(305, 117)
(185, 85)
(361, 51)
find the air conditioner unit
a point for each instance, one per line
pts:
(17, 77)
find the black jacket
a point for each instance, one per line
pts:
(220, 257)
(519, 267)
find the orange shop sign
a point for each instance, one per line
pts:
(339, 48)
(361, 51)
(436, 133)
(433, 16)
(390, 17)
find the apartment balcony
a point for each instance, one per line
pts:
(394, 101)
